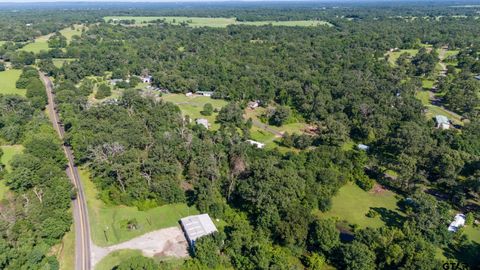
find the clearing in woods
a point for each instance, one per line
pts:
(211, 22)
(109, 223)
(8, 152)
(8, 78)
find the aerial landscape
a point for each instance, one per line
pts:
(252, 135)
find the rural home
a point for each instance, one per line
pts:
(146, 79)
(442, 122)
(255, 143)
(363, 147)
(458, 221)
(204, 93)
(196, 227)
(203, 122)
(253, 104)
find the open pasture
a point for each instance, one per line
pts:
(211, 22)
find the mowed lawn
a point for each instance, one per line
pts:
(40, 44)
(212, 22)
(115, 258)
(108, 221)
(8, 152)
(65, 251)
(393, 56)
(8, 78)
(58, 62)
(193, 105)
(352, 203)
(473, 233)
(68, 32)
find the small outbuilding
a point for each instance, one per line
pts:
(458, 221)
(256, 144)
(146, 79)
(203, 122)
(442, 121)
(204, 93)
(253, 104)
(363, 147)
(197, 226)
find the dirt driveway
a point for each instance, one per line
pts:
(165, 242)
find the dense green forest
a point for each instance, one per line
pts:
(141, 151)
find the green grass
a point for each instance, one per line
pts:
(192, 106)
(58, 62)
(40, 44)
(69, 32)
(427, 84)
(115, 258)
(66, 250)
(212, 22)
(393, 56)
(8, 152)
(8, 79)
(352, 203)
(423, 96)
(2, 42)
(435, 110)
(106, 220)
(473, 233)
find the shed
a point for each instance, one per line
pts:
(363, 147)
(204, 93)
(458, 221)
(203, 122)
(442, 121)
(255, 143)
(197, 226)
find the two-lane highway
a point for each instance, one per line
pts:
(80, 214)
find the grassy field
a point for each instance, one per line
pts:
(8, 79)
(435, 110)
(115, 258)
(58, 62)
(192, 106)
(473, 233)
(107, 220)
(8, 152)
(2, 42)
(40, 44)
(352, 203)
(427, 84)
(65, 251)
(423, 96)
(69, 32)
(393, 56)
(212, 22)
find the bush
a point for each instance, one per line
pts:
(207, 109)
(364, 182)
(103, 91)
(371, 213)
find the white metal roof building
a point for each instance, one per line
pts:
(197, 226)
(458, 221)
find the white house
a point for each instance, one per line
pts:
(146, 79)
(253, 104)
(203, 122)
(442, 121)
(363, 147)
(458, 221)
(197, 226)
(255, 143)
(204, 93)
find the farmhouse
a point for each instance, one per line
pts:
(442, 121)
(253, 104)
(202, 121)
(204, 93)
(197, 226)
(458, 221)
(255, 143)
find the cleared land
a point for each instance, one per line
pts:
(8, 79)
(8, 152)
(473, 233)
(40, 44)
(212, 22)
(352, 203)
(109, 222)
(115, 258)
(68, 32)
(193, 105)
(58, 62)
(393, 56)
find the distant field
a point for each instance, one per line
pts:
(8, 152)
(40, 44)
(352, 203)
(8, 79)
(393, 56)
(192, 106)
(212, 22)
(69, 32)
(58, 62)
(106, 220)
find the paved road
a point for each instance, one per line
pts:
(80, 215)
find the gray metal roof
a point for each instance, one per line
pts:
(197, 226)
(441, 119)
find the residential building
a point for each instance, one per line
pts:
(203, 122)
(458, 221)
(255, 143)
(442, 122)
